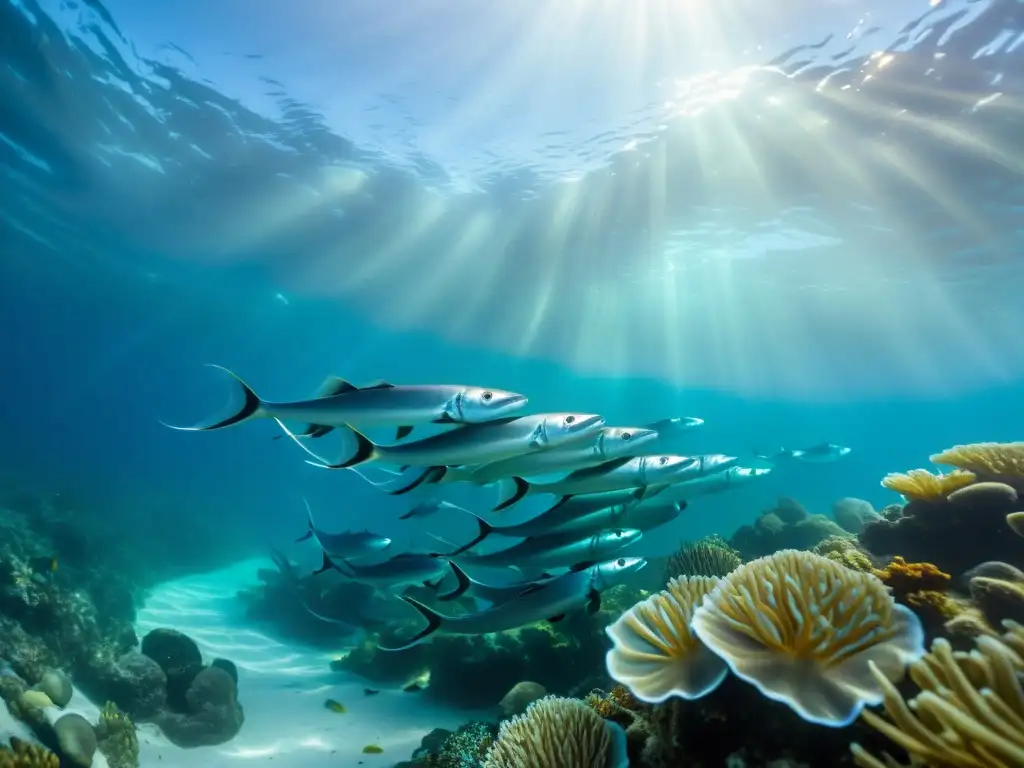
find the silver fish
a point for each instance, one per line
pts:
(381, 404)
(427, 507)
(558, 521)
(474, 443)
(550, 600)
(556, 550)
(637, 472)
(669, 428)
(824, 453)
(609, 444)
(704, 486)
(408, 569)
(346, 545)
(494, 594)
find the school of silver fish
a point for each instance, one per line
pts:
(609, 486)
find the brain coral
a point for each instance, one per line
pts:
(655, 654)
(803, 629)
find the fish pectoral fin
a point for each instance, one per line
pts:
(378, 384)
(403, 432)
(593, 602)
(557, 618)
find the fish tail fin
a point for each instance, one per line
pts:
(484, 529)
(326, 565)
(434, 621)
(428, 475)
(309, 522)
(511, 490)
(462, 583)
(250, 407)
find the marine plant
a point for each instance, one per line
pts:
(656, 654)
(557, 731)
(803, 629)
(21, 754)
(922, 485)
(969, 712)
(115, 733)
(709, 556)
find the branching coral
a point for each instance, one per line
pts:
(905, 578)
(922, 485)
(991, 460)
(710, 556)
(556, 732)
(802, 629)
(115, 733)
(21, 754)
(656, 654)
(969, 713)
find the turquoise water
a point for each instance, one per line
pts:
(800, 222)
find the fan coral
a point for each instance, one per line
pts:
(905, 577)
(802, 629)
(710, 556)
(922, 485)
(557, 731)
(969, 711)
(991, 460)
(655, 654)
(21, 754)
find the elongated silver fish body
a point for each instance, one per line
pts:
(559, 550)
(345, 545)
(551, 600)
(718, 482)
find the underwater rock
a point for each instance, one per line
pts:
(227, 666)
(787, 526)
(998, 599)
(180, 659)
(852, 514)
(135, 682)
(520, 697)
(790, 511)
(76, 738)
(213, 714)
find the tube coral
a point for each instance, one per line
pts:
(969, 713)
(655, 653)
(802, 629)
(556, 732)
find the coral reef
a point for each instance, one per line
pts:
(520, 697)
(21, 754)
(846, 551)
(904, 578)
(211, 714)
(465, 748)
(116, 738)
(853, 514)
(710, 556)
(968, 713)
(787, 526)
(922, 485)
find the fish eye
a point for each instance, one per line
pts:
(487, 396)
(620, 562)
(663, 460)
(570, 419)
(627, 435)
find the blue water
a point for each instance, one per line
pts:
(800, 221)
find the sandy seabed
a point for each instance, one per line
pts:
(282, 688)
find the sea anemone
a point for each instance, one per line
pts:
(991, 460)
(802, 629)
(969, 713)
(557, 731)
(922, 485)
(655, 653)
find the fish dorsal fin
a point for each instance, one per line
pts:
(334, 385)
(557, 618)
(601, 469)
(403, 432)
(378, 384)
(581, 566)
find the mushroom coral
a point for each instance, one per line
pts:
(969, 713)
(803, 629)
(655, 653)
(557, 732)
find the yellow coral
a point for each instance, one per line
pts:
(844, 550)
(969, 713)
(905, 577)
(802, 629)
(988, 459)
(922, 485)
(21, 754)
(929, 601)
